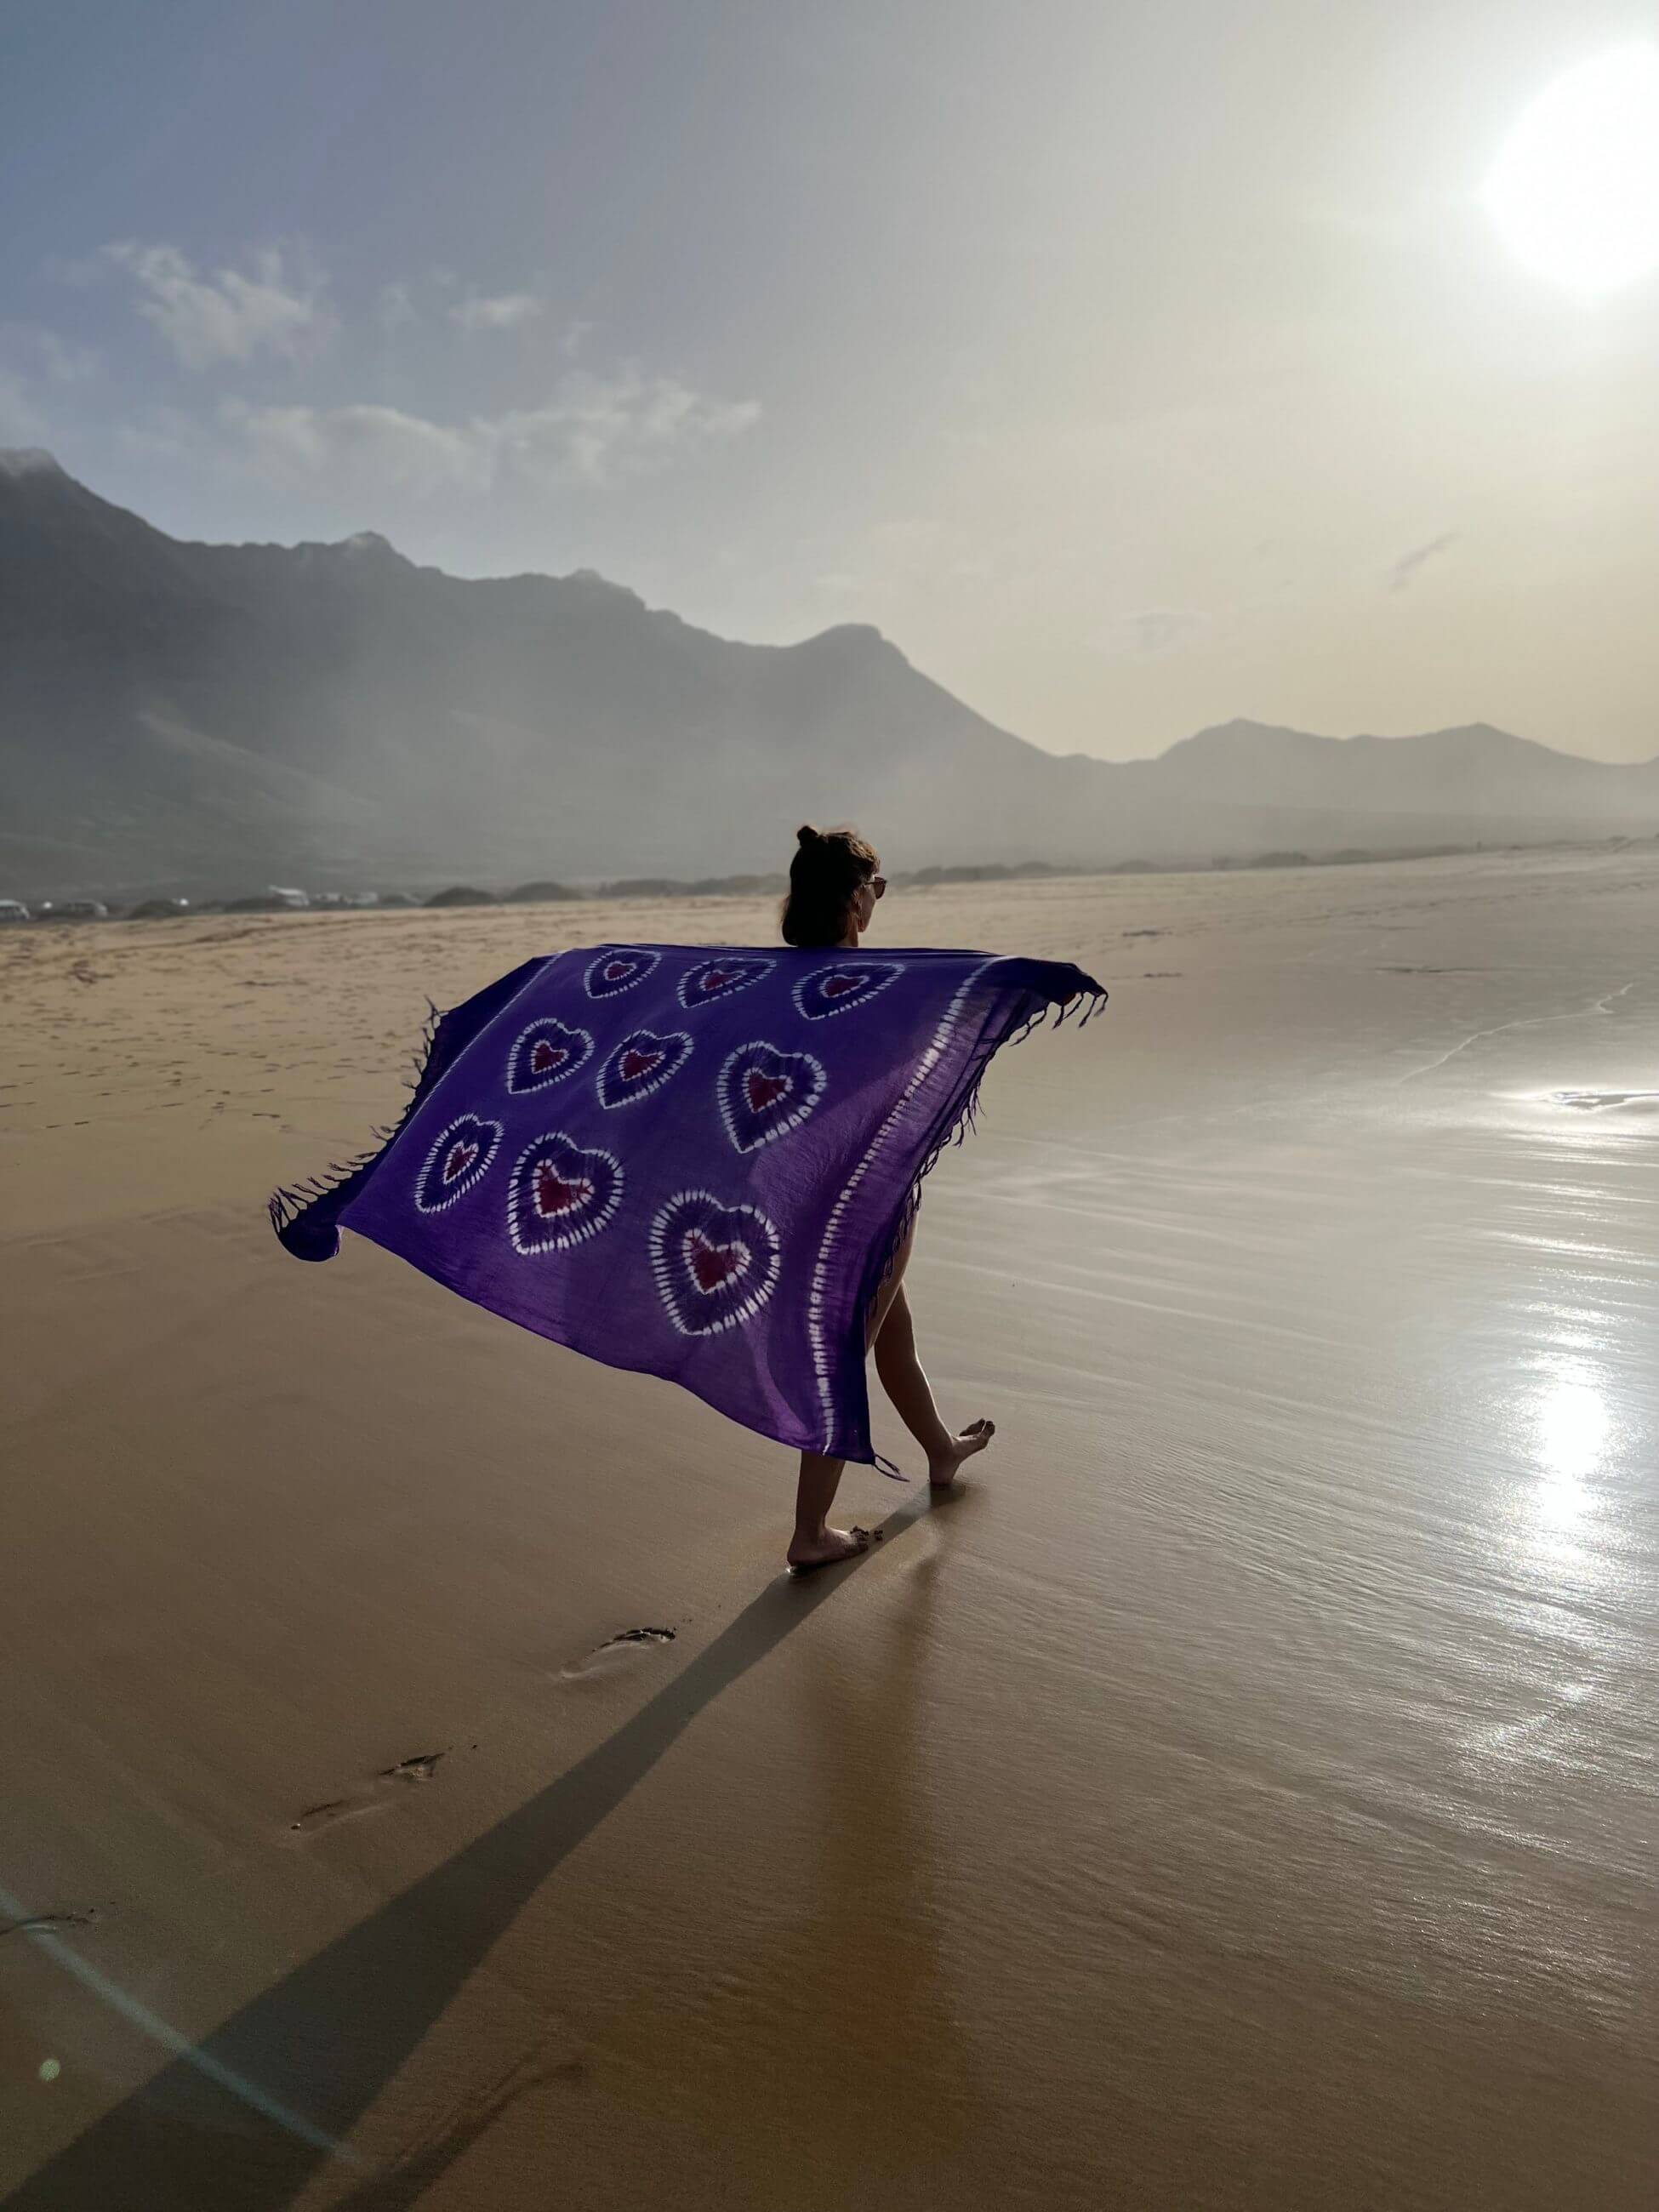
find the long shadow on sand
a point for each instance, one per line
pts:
(325, 2040)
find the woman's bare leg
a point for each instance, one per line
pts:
(892, 1287)
(815, 1544)
(905, 1384)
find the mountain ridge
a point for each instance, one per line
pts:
(177, 712)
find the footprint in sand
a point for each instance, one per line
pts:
(48, 1923)
(376, 1794)
(620, 1655)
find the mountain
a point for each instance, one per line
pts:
(176, 716)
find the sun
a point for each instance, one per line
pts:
(1574, 189)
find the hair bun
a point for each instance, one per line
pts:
(828, 869)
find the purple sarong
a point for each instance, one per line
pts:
(694, 1161)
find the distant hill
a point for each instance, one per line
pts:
(196, 717)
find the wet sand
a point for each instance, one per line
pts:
(1242, 1795)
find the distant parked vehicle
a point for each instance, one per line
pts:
(158, 910)
(71, 910)
(13, 910)
(275, 898)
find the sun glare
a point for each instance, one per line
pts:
(1573, 1428)
(1574, 189)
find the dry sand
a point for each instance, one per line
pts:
(1244, 1795)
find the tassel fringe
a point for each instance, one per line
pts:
(289, 1204)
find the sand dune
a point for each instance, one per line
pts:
(1243, 1795)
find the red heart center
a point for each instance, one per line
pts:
(461, 1157)
(765, 1090)
(616, 967)
(715, 1264)
(555, 1195)
(839, 986)
(544, 1055)
(636, 1064)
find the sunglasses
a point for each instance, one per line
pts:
(877, 886)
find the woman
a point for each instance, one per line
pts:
(834, 885)
(702, 1163)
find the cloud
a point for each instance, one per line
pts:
(26, 461)
(375, 447)
(395, 309)
(167, 437)
(66, 361)
(1153, 633)
(596, 429)
(21, 421)
(590, 430)
(59, 360)
(33, 360)
(507, 311)
(227, 316)
(1408, 563)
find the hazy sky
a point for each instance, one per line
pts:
(1131, 367)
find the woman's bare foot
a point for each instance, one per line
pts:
(942, 1466)
(823, 1546)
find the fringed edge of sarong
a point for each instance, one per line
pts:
(291, 1204)
(305, 1215)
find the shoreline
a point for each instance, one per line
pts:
(944, 877)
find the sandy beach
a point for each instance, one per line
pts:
(1242, 1795)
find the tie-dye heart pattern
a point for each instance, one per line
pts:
(715, 1266)
(547, 1052)
(619, 969)
(457, 1162)
(560, 1194)
(641, 1063)
(717, 979)
(764, 1093)
(837, 990)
